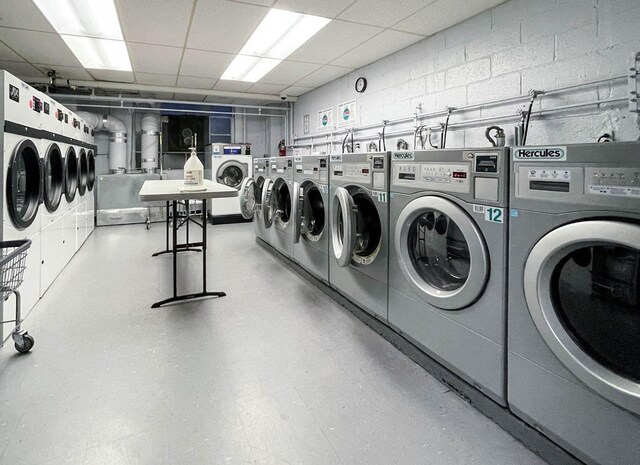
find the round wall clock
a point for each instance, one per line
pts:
(361, 84)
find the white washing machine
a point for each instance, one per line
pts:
(448, 258)
(52, 207)
(229, 165)
(278, 207)
(574, 297)
(311, 226)
(250, 197)
(22, 174)
(359, 221)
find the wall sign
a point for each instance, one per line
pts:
(305, 124)
(325, 119)
(346, 114)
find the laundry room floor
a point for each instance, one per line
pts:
(276, 372)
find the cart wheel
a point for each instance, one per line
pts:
(148, 225)
(27, 344)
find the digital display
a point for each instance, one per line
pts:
(459, 175)
(407, 176)
(232, 150)
(365, 170)
(337, 173)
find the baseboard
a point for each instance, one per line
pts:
(530, 437)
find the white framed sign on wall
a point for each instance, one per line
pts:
(325, 119)
(346, 114)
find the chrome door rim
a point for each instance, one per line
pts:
(265, 205)
(247, 184)
(343, 203)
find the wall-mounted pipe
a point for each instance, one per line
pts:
(178, 110)
(117, 141)
(149, 143)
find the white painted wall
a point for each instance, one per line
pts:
(263, 133)
(504, 52)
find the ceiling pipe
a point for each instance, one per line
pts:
(171, 89)
(180, 110)
(117, 141)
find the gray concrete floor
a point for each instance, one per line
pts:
(274, 373)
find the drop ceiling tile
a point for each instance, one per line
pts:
(196, 82)
(198, 63)
(164, 23)
(368, 12)
(323, 75)
(189, 97)
(378, 47)
(327, 9)
(23, 14)
(154, 58)
(20, 69)
(6, 54)
(110, 75)
(39, 47)
(157, 95)
(66, 72)
(232, 86)
(223, 26)
(156, 79)
(297, 91)
(216, 99)
(335, 39)
(442, 14)
(289, 72)
(262, 88)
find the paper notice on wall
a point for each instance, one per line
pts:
(346, 114)
(325, 119)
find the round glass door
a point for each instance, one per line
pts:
(24, 181)
(91, 178)
(582, 287)
(53, 178)
(70, 175)
(312, 212)
(83, 174)
(231, 174)
(441, 252)
(250, 196)
(281, 203)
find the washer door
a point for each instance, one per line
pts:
(282, 204)
(91, 179)
(232, 173)
(311, 213)
(582, 288)
(53, 178)
(265, 204)
(250, 195)
(343, 226)
(24, 184)
(70, 175)
(83, 174)
(441, 252)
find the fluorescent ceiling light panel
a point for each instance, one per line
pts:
(278, 35)
(91, 29)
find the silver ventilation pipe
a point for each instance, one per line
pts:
(117, 141)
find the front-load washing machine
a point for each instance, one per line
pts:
(359, 221)
(230, 166)
(574, 297)
(250, 197)
(53, 186)
(278, 207)
(311, 225)
(22, 174)
(447, 259)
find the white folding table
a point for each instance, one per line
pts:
(170, 191)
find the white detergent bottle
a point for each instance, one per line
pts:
(193, 172)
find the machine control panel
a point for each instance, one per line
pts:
(446, 177)
(620, 182)
(357, 171)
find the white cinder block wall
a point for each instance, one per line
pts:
(504, 52)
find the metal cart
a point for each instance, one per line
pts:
(13, 258)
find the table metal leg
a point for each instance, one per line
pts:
(187, 247)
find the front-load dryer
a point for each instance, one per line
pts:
(91, 181)
(22, 174)
(250, 197)
(447, 259)
(574, 297)
(83, 198)
(278, 207)
(311, 225)
(231, 168)
(70, 199)
(359, 221)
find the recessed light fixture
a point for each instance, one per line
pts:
(279, 34)
(91, 29)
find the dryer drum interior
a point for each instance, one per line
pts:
(83, 174)
(438, 251)
(282, 200)
(313, 211)
(53, 177)
(596, 294)
(368, 228)
(231, 176)
(91, 176)
(70, 174)
(24, 180)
